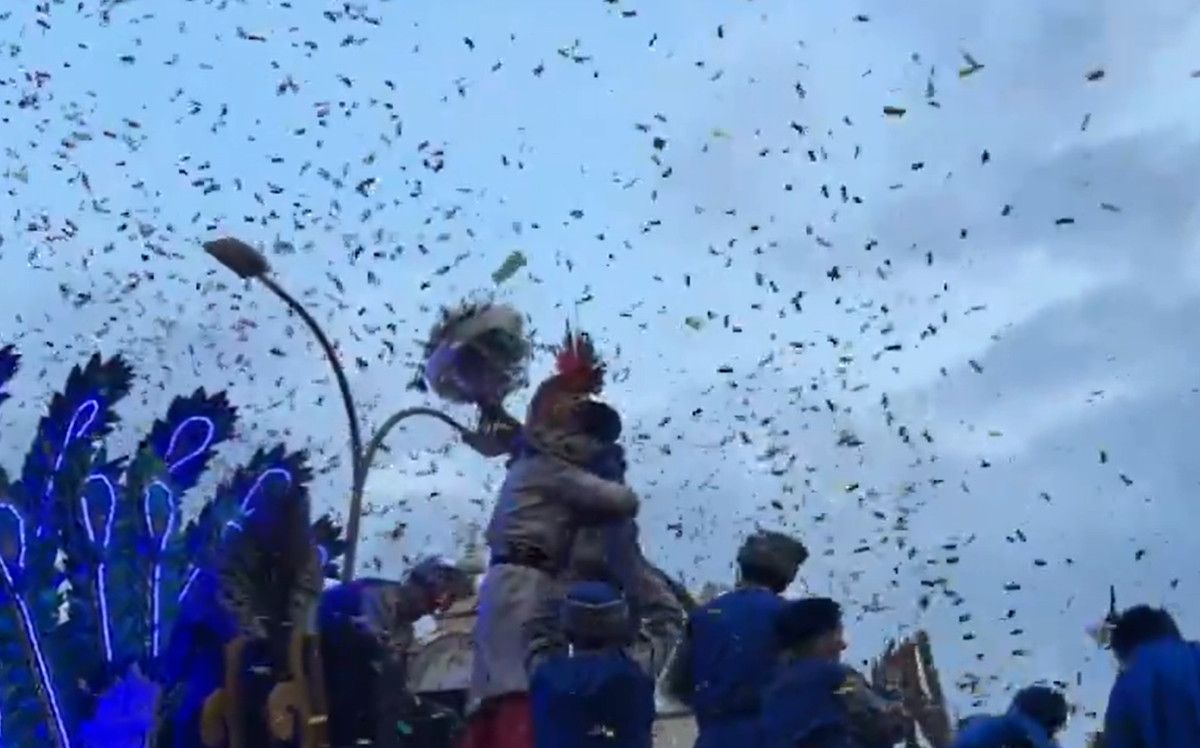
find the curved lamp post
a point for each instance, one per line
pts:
(248, 263)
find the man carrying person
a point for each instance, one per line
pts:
(548, 493)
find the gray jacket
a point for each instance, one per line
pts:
(544, 500)
(542, 503)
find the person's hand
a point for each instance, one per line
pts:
(494, 434)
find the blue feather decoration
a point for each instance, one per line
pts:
(252, 518)
(331, 545)
(170, 462)
(62, 450)
(36, 707)
(242, 492)
(40, 512)
(269, 566)
(93, 561)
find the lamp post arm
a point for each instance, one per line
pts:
(394, 420)
(356, 446)
(365, 459)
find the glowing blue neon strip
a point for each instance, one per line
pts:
(195, 572)
(161, 545)
(110, 515)
(172, 509)
(205, 443)
(254, 489)
(93, 408)
(234, 524)
(47, 684)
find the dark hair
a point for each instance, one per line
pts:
(801, 621)
(1140, 625)
(1043, 705)
(763, 575)
(599, 420)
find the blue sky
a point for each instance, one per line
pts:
(977, 505)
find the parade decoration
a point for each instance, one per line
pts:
(477, 353)
(97, 561)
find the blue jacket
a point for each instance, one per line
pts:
(732, 652)
(1155, 702)
(597, 699)
(1003, 731)
(801, 707)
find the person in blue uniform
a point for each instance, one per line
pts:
(729, 648)
(1155, 701)
(1036, 715)
(366, 632)
(594, 693)
(814, 701)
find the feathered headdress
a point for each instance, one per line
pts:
(477, 353)
(579, 375)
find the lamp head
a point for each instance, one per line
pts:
(238, 256)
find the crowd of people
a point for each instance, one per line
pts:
(575, 627)
(577, 630)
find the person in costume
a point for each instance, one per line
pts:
(1036, 715)
(595, 691)
(814, 701)
(366, 632)
(730, 647)
(548, 493)
(613, 553)
(1155, 701)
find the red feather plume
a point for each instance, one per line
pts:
(578, 366)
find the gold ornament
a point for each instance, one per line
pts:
(283, 706)
(212, 720)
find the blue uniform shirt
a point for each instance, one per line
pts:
(599, 699)
(1155, 702)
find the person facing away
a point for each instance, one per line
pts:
(366, 631)
(594, 692)
(814, 701)
(1036, 715)
(729, 648)
(1155, 701)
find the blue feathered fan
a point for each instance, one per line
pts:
(122, 541)
(169, 463)
(92, 678)
(40, 702)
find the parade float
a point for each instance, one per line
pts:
(98, 562)
(105, 580)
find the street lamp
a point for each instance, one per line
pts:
(490, 438)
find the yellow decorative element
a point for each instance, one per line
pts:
(233, 672)
(283, 706)
(212, 720)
